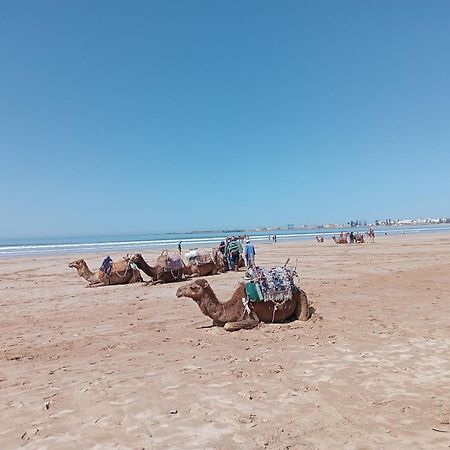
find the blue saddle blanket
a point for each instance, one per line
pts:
(277, 284)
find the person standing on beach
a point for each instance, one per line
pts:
(234, 250)
(249, 253)
(179, 246)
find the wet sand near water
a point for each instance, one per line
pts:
(135, 367)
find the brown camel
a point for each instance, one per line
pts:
(235, 314)
(121, 273)
(359, 238)
(319, 238)
(342, 239)
(203, 264)
(159, 272)
(200, 269)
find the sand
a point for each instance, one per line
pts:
(135, 367)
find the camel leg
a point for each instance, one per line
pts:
(246, 324)
(94, 284)
(152, 283)
(302, 307)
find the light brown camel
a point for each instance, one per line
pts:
(158, 273)
(371, 235)
(121, 273)
(342, 239)
(235, 315)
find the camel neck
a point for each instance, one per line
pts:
(210, 306)
(85, 272)
(148, 270)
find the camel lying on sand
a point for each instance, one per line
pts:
(200, 269)
(159, 272)
(235, 315)
(359, 238)
(341, 240)
(201, 264)
(121, 273)
(319, 238)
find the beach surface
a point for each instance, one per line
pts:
(135, 367)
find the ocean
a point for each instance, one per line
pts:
(138, 243)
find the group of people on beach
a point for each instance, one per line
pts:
(232, 252)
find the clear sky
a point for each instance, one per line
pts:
(136, 116)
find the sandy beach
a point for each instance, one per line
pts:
(134, 367)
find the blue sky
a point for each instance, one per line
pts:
(143, 116)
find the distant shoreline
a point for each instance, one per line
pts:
(189, 241)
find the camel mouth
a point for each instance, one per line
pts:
(71, 265)
(180, 292)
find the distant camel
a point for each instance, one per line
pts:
(342, 239)
(319, 238)
(371, 236)
(160, 272)
(121, 273)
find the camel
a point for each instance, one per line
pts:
(236, 313)
(121, 273)
(204, 265)
(359, 238)
(159, 272)
(342, 239)
(319, 238)
(371, 235)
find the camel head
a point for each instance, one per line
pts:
(194, 290)
(78, 264)
(134, 258)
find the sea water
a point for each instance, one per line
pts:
(138, 243)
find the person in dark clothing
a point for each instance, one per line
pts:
(234, 250)
(179, 246)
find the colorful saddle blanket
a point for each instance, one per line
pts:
(277, 284)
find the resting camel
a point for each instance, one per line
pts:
(158, 273)
(359, 238)
(371, 235)
(233, 315)
(342, 239)
(319, 238)
(121, 273)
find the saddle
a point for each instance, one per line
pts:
(174, 263)
(270, 285)
(203, 258)
(170, 263)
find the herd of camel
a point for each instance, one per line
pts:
(344, 238)
(232, 315)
